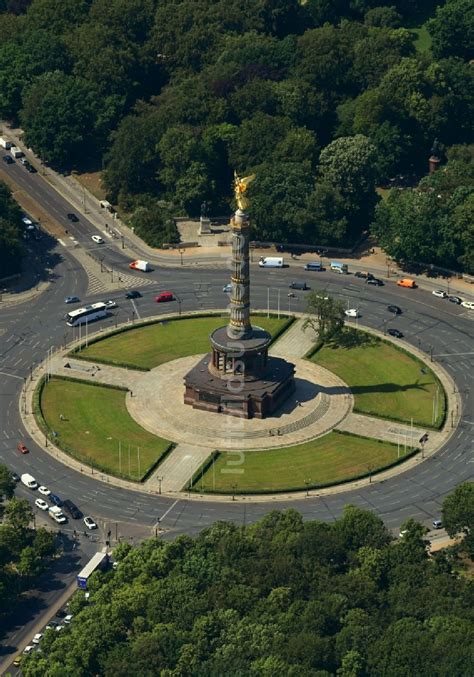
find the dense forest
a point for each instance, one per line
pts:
(324, 100)
(24, 552)
(278, 598)
(11, 249)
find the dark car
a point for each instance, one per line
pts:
(299, 285)
(375, 281)
(72, 509)
(30, 168)
(15, 477)
(133, 294)
(54, 498)
(455, 299)
(8, 159)
(395, 332)
(394, 309)
(72, 217)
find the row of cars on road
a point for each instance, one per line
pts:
(61, 621)
(453, 299)
(54, 506)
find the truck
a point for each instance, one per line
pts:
(5, 143)
(16, 152)
(140, 265)
(271, 262)
(57, 514)
(99, 561)
(340, 268)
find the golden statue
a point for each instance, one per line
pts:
(240, 186)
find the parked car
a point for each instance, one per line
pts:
(455, 299)
(89, 522)
(37, 638)
(15, 477)
(44, 490)
(28, 649)
(54, 498)
(133, 294)
(375, 281)
(72, 299)
(437, 524)
(97, 239)
(51, 625)
(395, 310)
(68, 618)
(468, 304)
(41, 504)
(22, 448)
(72, 217)
(395, 332)
(439, 293)
(72, 509)
(164, 296)
(8, 159)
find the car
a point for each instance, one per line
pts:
(30, 168)
(375, 281)
(61, 613)
(8, 159)
(22, 448)
(17, 661)
(15, 477)
(299, 285)
(72, 299)
(439, 293)
(227, 288)
(97, 239)
(28, 649)
(89, 522)
(72, 509)
(72, 217)
(164, 296)
(110, 304)
(26, 221)
(133, 294)
(455, 299)
(395, 332)
(58, 628)
(37, 638)
(394, 309)
(51, 625)
(363, 275)
(437, 524)
(351, 312)
(44, 490)
(54, 498)
(468, 304)
(41, 504)
(23, 161)
(68, 618)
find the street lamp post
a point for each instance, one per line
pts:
(181, 252)
(160, 479)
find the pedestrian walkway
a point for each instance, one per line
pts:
(178, 467)
(296, 342)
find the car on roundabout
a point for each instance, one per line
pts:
(468, 304)
(54, 498)
(110, 303)
(455, 299)
(72, 217)
(22, 448)
(375, 281)
(164, 297)
(41, 504)
(439, 293)
(8, 159)
(89, 522)
(72, 299)
(44, 490)
(97, 239)
(396, 310)
(351, 312)
(396, 333)
(133, 294)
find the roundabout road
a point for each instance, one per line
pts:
(28, 330)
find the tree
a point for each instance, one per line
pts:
(325, 315)
(458, 513)
(18, 513)
(452, 29)
(7, 485)
(381, 17)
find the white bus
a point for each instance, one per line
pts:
(94, 311)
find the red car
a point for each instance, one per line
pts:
(22, 448)
(164, 296)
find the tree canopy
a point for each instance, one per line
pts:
(11, 249)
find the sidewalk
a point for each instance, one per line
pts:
(86, 203)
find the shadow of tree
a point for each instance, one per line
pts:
(352, 338)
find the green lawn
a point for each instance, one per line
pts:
(332, 458)
(423, 40)
(98, 429)
(385, 381)
(155, 344)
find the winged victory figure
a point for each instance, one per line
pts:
(240, 186)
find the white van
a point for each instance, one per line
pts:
(140, 265)
(29, 481)
(271, 262)
(16, 152)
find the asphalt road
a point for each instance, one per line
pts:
(29, 330)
